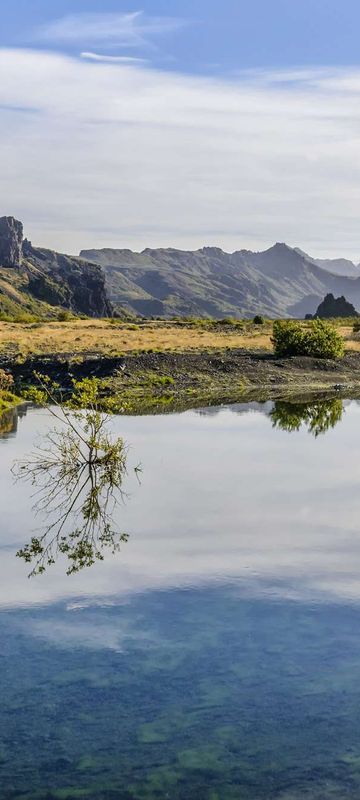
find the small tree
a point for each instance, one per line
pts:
(77, 472)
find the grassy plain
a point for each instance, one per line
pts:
(103, 336)
(111, 338)
(172, 364)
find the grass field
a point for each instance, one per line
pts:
(109, 338)
(102, 336)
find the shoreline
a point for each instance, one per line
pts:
(166, 381)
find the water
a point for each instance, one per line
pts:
(217, 656)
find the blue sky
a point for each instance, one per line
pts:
(218, 36)
(182, 123)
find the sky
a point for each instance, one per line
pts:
(182, 123)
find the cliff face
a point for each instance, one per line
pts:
(11, 238)
(49, 277)
(66, 281)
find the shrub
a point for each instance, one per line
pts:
(24, 318)
(319, 340)
(288, 338)
(6, 381)
(323, 341)
(258, 320)
(356, 326)
(64, 316)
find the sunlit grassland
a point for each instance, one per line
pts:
(107, 338)
(112, 338)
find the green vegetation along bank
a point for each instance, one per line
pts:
(158, 382)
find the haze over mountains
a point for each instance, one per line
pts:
(279, 282)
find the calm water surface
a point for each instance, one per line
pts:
(217, 656)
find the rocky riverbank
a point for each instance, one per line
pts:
(163, 381)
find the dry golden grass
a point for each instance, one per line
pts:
(101, 336)
(350, 339)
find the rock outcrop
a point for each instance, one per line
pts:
(49, 277)
(11, 238)
(332, 307)
(66, 281)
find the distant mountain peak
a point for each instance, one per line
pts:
(211, 251)
(281, 246)
(337, 266)
(280, 249)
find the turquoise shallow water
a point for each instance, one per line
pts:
(217, 656)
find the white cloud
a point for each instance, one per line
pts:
(132, 30)
(124, 155)
(112, 59)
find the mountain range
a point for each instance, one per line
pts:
(279, 282)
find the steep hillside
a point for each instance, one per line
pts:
(278, 282)
(337, 266)
(42, 282)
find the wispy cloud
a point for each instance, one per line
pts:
(132, 156)
(135, 29)
(112, 59)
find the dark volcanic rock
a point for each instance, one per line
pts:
(11, 237)
(335, 307)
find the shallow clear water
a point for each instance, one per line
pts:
(217, 656)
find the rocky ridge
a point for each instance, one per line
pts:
(278, 282)
(11, 238)
(37, 279)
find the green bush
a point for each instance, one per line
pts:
(356, 326)
(64, 315)
(323, 341)
(258, 320)
(24, 318)
(288, 338)
(319, 340)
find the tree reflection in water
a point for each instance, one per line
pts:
(77, 471)
(317, 415)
